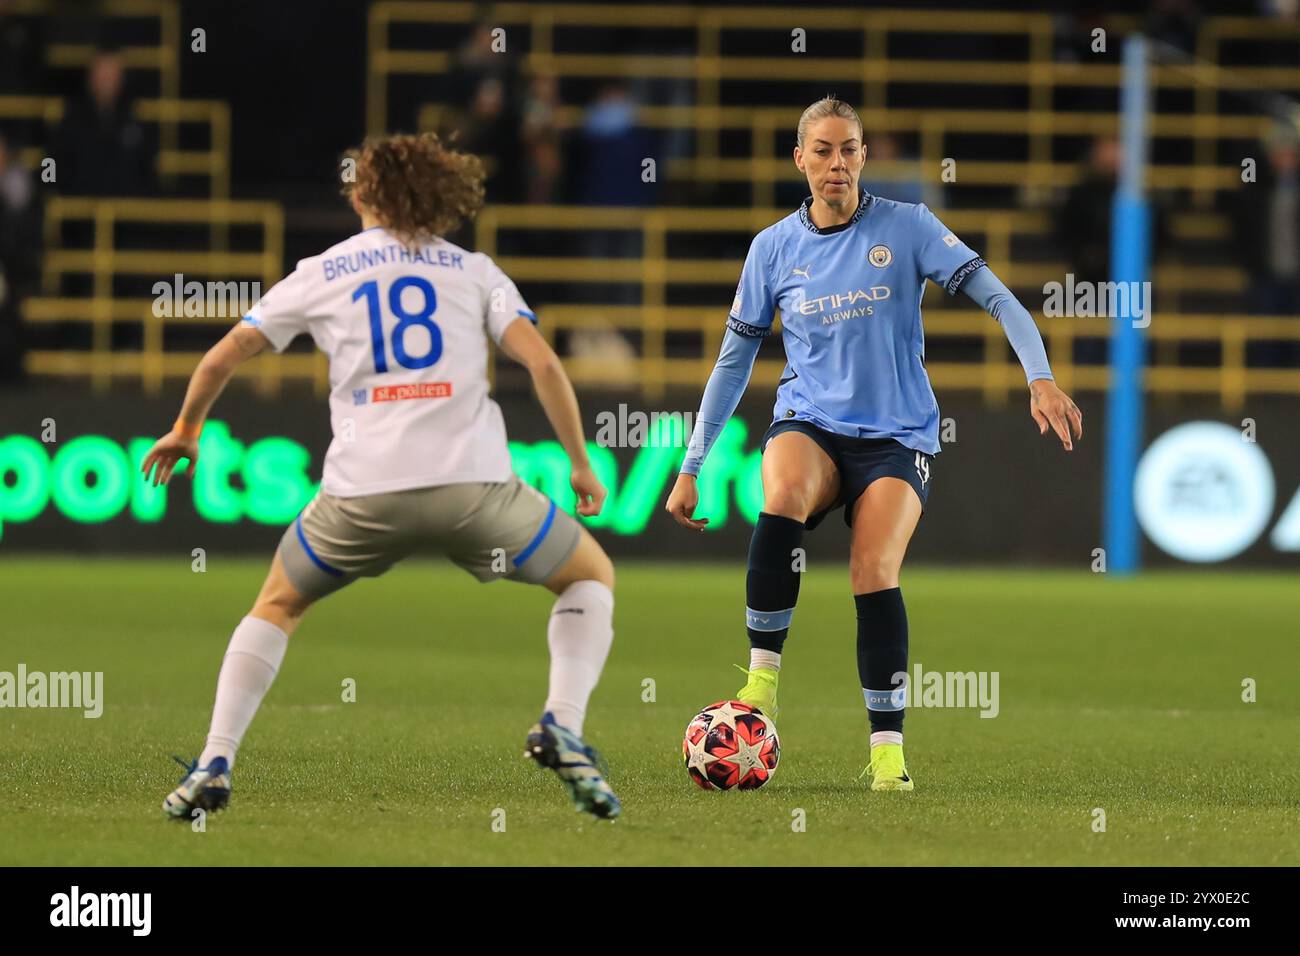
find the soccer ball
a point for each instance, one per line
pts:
(731, 745)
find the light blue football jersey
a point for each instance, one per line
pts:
(850, 301)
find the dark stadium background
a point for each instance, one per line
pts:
(1144, 720)
(294, 77)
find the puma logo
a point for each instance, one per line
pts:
(802, 272)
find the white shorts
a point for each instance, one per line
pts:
(491, 529)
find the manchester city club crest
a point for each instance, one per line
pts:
(880, 256)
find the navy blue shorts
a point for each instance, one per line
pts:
(860, 461)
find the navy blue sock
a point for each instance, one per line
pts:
(772, 584)
(882, 653)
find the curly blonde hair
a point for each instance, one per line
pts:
(415, 184)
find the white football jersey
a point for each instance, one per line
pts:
(405, 329)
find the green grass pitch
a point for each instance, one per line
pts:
(1114, 694)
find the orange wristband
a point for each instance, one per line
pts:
(186, 430)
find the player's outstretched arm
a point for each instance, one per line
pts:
(726, 384)
(214, 371)
(1049, 406)
(522, 342)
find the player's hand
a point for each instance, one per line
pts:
(683, 501)
(1052, 407)
(165, 453)
(591, 493)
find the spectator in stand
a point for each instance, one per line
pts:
(1083, 222)
(1280, 9)
(1083, 225)
(99, 148)
(1176, 22)
(481, 58)
(544, 155)
(22, 52)
(1266, 240)
(613, 151)
(903, 184)
(20, 239)
(1266, 228)
(484, 83)
(1083, 229)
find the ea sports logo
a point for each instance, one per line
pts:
(1202, 493)
(880, 256)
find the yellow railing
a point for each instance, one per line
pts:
(1211, 79)
(994, 373)
(167, 110)
(996, 376)
(989, 231)
(164, 58)
(212, 163)
(766, 127)
(104, 261)
(707, 68)
(997, 379)
(48, 110)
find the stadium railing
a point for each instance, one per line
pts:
(161, 58)
(104, 263)
(996, 373)
(768, 127)
(652, 368)
(992, 232)
(764, 126)
(1210, 80)
(997, 377)
(707, 68)
(212, 163)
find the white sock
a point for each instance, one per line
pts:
(886, 737)
(771, 660)
(579, 634)
(252, 660)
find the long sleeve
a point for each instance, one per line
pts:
(727, 383)
(996, 299)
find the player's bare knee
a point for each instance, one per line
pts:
(595, 567)
(789, 500)
(589, 562)
(284, 611)
(872, 572)
(603, 569)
